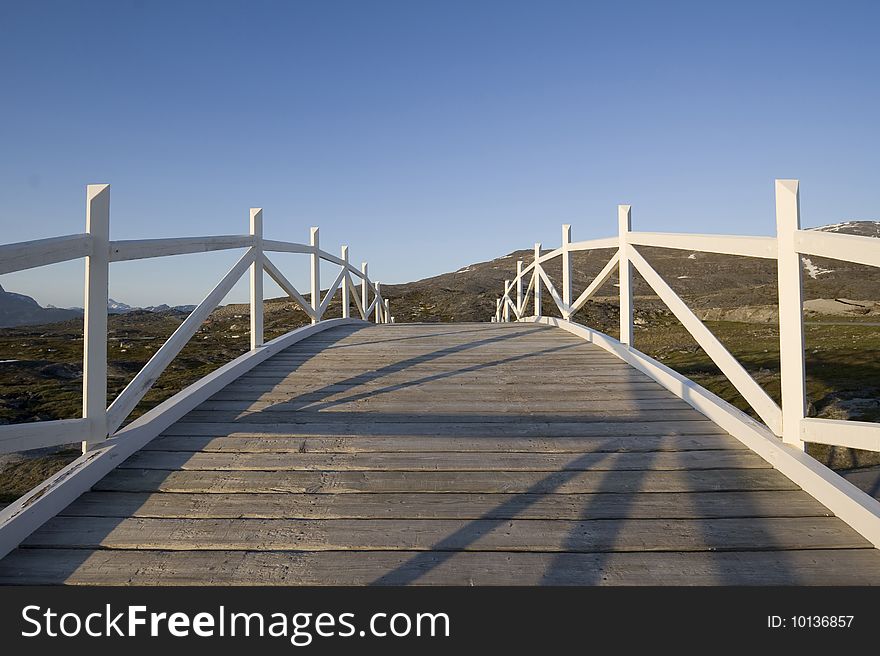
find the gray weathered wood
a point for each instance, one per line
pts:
(437, 443)
(341, 482)
(145, 567)
(524, 427)
(445, 461)
(721, 534)
(659, 505)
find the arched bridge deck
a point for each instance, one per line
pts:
(454, 454)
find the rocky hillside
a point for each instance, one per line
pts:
(21, 310)
(712, 284)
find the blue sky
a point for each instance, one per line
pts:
(427, 135)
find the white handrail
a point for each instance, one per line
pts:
(40, 252)
(852, 248)
(724, 244)
(139, 249)
(788, 421)
(100, 421)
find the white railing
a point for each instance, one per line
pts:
(98, 421)
(788, 421)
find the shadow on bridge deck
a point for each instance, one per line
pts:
(444, 454)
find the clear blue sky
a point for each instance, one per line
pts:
(427, 135)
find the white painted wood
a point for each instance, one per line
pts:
(594, 244)
(763, 247)
(550, 255)
(377, 301)
(315, 269)
(139, 249)
(791, 321)
(329, 257)
(841, 497)
(551, 288)
(624, 268)
(365, 283)
(851, 248)
(565, 308)
(39, 434)
(95, 314)
(346, 284)
(23, 517)
(388, 311)
(287, 286)
(730, 367)
(497, 316)
(603, 277)
(519, 289)
(536, 277)
(371, 308)
(275, 246)
(141, 383)
(39, 252)
(526, 295)
(356, 297)
(836, 432)
(256, 279)
(506, 303)
(331, 291)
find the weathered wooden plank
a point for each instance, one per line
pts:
(727, 534)
(332, 376)
(371, 414)
(347, 369)
(445, 461)
(343, 482)
(692, 505)
(410, 444)
(491, 358)
(296, 386)
(523, 427)
(254, 400)
(144, 567)
(389, 403)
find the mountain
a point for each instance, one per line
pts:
(115, 307)
(21, 310)
(168, 308)
(710, 283)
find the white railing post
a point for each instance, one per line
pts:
(497, 317)
(519, 289)
(364, 291)
(95, 314)
(566, 271)
(537, 274)
(506, 309)
(316, 274)
(257, 279)
(345, 285)
(378, 309)
(791, 318)
(624, 223)
(387, 311)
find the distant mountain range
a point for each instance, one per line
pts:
(22, 310)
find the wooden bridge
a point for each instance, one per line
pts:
(535, 451)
